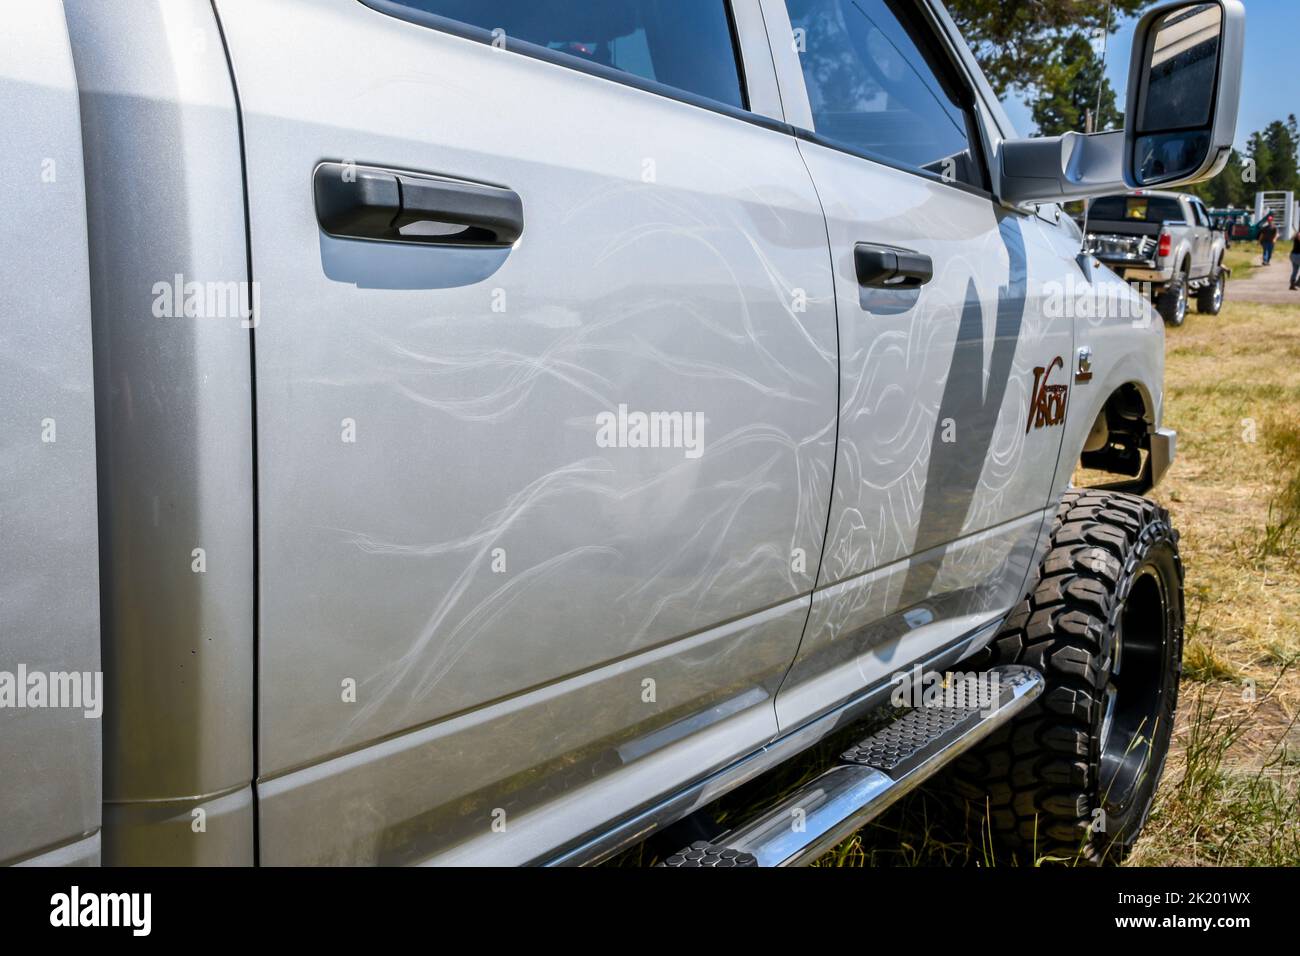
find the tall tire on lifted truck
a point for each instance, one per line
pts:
(1171, 302)
(1073, 778)
(1209, 300)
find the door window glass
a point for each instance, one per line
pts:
(878, 83)
(687, 44)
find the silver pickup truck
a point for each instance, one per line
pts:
(491, 432)
(1166, 242)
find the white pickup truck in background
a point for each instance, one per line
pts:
(1164, 241)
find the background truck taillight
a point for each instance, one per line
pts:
(1166, 245)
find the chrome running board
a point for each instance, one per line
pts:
(872, 775)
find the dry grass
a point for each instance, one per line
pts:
(1243, 258)
(1233, 387)
(1231, 792)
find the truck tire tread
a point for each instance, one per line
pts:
(1036, 781)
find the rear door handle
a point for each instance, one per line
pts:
(887, 267)
(369, 202)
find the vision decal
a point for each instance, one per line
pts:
(1046, 402)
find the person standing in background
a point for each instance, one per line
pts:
(1268, 236)
(1295, 262)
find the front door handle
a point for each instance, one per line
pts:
(369, 202)
(887, 267)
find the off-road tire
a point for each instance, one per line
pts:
(1037, 784)
(1171, 302)
(1209, 300)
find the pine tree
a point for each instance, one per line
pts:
(1016, 41)
(1068, 96)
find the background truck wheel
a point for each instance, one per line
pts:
(1073, 777)
(1171, 303)
(1209, 301)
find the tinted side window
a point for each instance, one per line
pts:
(685, 44)
(877, 83)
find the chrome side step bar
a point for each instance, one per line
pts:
(873, 774)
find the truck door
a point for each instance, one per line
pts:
(51, 686)
(953, 376)
(545, 366)
(1204, 241)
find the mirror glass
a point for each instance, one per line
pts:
(1179, 87)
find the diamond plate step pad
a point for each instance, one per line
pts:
(905, 742)
(701, 853)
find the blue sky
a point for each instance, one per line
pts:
(1270, 83)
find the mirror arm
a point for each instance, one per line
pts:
(1061, 168)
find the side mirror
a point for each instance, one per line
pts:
(1184, 91)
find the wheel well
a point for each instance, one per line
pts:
(1119, 444)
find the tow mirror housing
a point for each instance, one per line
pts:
(1183, 95)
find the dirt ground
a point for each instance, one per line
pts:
(1252, 282)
